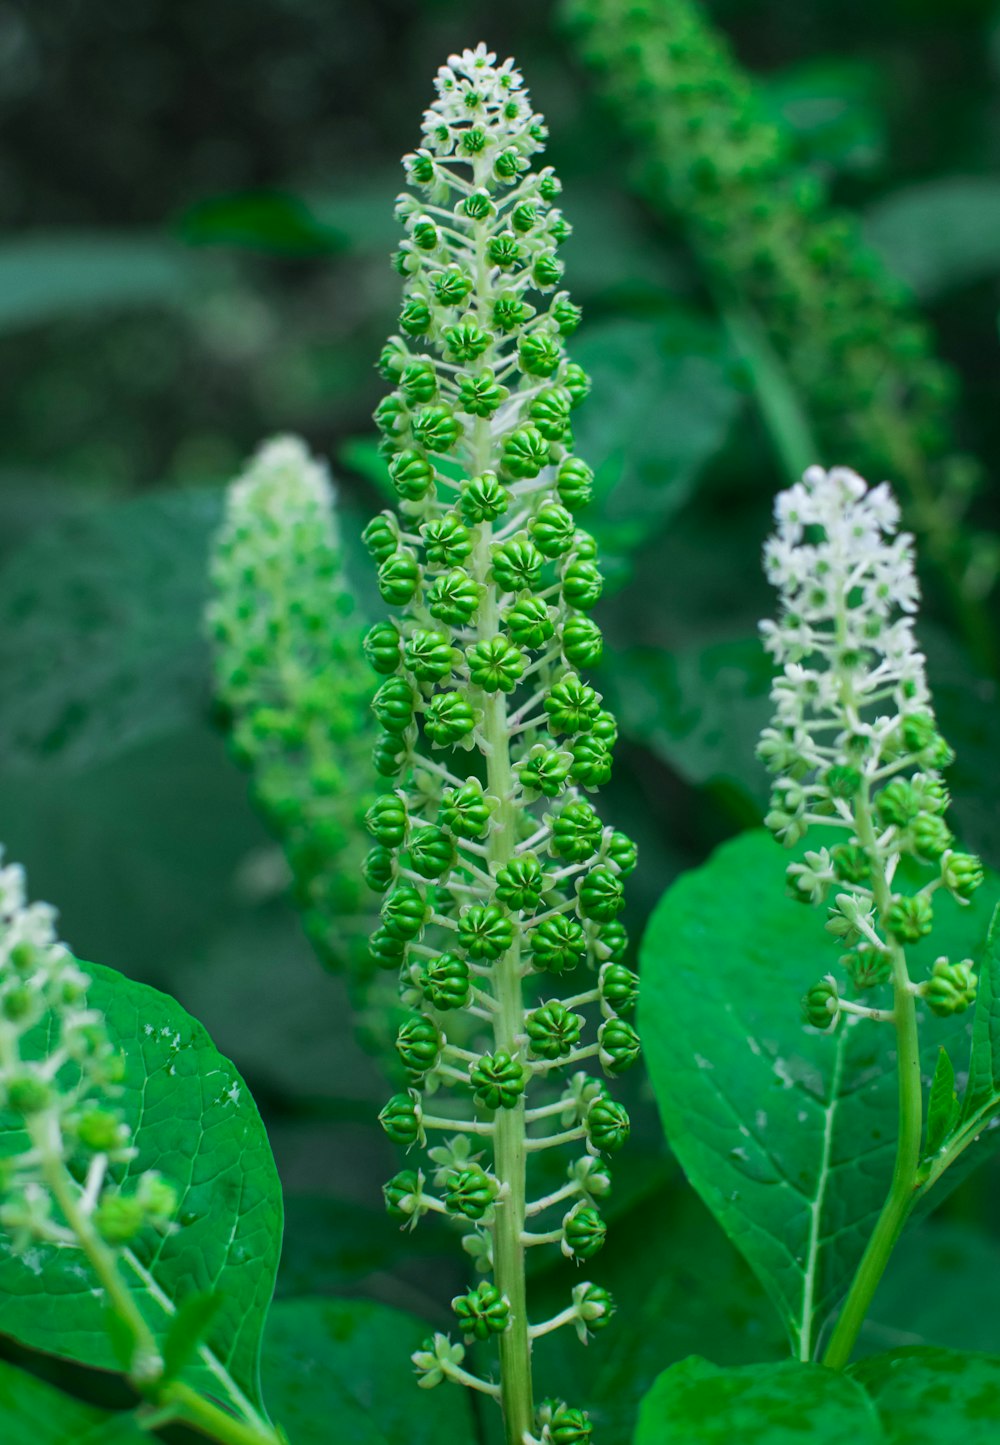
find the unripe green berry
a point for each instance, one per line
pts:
(525, 452)
(582, 584)
(592, 762)
(453, 598)
(547, 271)
(388, 755)
(851, 863)
(600, 894)
(623, 853)
(452, 285)
(558, 944)
(448, 718)
(576, 381)
(119, 1218)
(378, 868)
(399, 579)
(428, 655)
(446, 540)
(466, 342)
(445, 982)
(619, 1045)
(469, 1192)
(401, 1119)
(467, 810)
(539, 354)
(552, 529)
(521, 883)
(962, 873)
(504, 250)
(553, 1030)
(437, 428)
(418, 1044)
(576, 832)
(393, 705)
(898, 802)
(424, 233)
(821, 1005)
(432, 852)
(386, 820)
(571, 705)
(549, 411)
(418, 382)
(843, 782)
(574, 483)
(564, 1425)
(483, 499)
(517, 565)
(18, 1002)
(415, 317)
(381, 536)
(495, 664)
(545, 770)
(566, 315)
(412, 475)
(951, 988)
(608, 1125)
(28, 1095)
(481, 395)
(584, 1232)
(386, 950)
(405, 911)
(619, 987)
(583, 644)
(611, 941)
(529, 623)
(931, 835)
(485, 931)
(381, 647)
(511, 311)
(402, 1195)
(910, 919)
(482, 1312)
(498, 1080)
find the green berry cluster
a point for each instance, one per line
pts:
(858, 353)
(62, 1096)
(296, 696)
(501, 886)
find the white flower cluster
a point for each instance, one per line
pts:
(282, 480)
(58, 1071)
(473, 91)
(851, 673)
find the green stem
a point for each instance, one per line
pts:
(194, 1410)
(904, 1183)
(780, 408)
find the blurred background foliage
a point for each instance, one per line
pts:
(196, 213)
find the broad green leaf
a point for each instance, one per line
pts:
(940, 234)
(46, 276)
(100, 631)
(941, 1284)
(340, 1370)
(677, 1286)
(646, 467)
(934, 1397)
(332, 1244)
(787, 1134)
(194, 1121)
(942, 1104)
(700, 709)
(268, 221)
(697, 1403)
(34, 1413)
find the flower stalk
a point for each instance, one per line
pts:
(497, 874)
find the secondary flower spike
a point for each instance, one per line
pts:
(855, 746)
(502, 886)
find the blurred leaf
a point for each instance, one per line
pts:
(934, 1397)
(696, 1403)
(45, 276)
(787, 1134)
(942, 1104)
(100, 631)
(34, 1413)
(194, 1121)
(268, 221)
(664, 398)
(331, 1245)
(941, 1284)
(831, 104)
(941, 234)
(341, 1370)
(700, 709)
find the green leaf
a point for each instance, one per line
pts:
(47, 276)
(646, 468)
(34, 1413)
(942, 1104)
(787, 1134)
(195, 1122)
(934, 1397)
(697, 1403)
(940, 234)
(100, 631)
(188, 1329)
(699, 708)
(940, 1285)
(268, 221)
(347, 1363)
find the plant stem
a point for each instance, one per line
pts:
(904, 1178)
(194, 1410)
